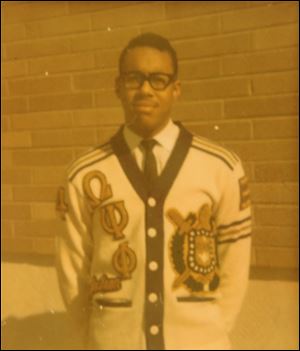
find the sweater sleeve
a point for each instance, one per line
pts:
(234, 242)
(74, 252)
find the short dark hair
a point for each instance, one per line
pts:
(150, 40)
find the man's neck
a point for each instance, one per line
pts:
(148, 134)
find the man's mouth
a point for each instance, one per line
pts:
(144, 104)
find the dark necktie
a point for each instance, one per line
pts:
(150, 169)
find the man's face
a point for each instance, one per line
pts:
(147, 109)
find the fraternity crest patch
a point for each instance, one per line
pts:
(193, 251)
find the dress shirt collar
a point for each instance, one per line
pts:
(166, 137)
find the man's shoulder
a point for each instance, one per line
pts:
(215, 151)
(91, 157)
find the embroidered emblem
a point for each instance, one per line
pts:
(193, 251)
(124, 261)
(105, 188)
(244, 193)
(114, 219)
(105, 284)
(61, 204)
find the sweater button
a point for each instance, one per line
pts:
(152, 232)
(154, 330)
(153, 266)
(151, 202)
(152, 297)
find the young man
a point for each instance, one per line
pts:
(157, 250)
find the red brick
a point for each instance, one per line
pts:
(6, 193)
(6, 228)
(16, 212)
(33, 10)
(186, 28)
(125, 16)
(214, 89)
(277, 172)
(16, 176)
(13, 32)
(48, 175)
(38, 48)
(276, 216)
(214, 46)
(42, 158)
(37, 86)
(44, 246)
(189, 70)
(63, 138)
(103, 40)
(4, 88)
(60, 102)
(196, 111)
(14, 69)
(275, 37)
(256, 62)
(6, 158)
(220, 130)
(62, 63)
(281, 150)
(95, 80)
(84, 137)
(259, 17)
(43, 211)
(261, 106)
(276, 236)
(175, 9)
(17, 245)
(276, 128)
(41, 120)
(34, 194)
(98, 117)
(5, 123)
(16, 140)
(277, 257)
(14, 105)
(107, 58)
(40, 228)
(58, 26)
(276, 193)
(286, 82)
(94, 6)
(105, 134)
(107, 98)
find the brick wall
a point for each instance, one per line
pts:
(238, 65)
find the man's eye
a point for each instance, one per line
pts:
(132, 78)
(159, 79)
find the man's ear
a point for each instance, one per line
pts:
(177, 89)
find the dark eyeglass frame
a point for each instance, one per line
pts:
(141, 78)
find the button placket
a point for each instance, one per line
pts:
(154, 275)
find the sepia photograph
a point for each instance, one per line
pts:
(149, 175)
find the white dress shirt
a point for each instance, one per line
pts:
(166, 140)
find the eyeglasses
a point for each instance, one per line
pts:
(157, 80)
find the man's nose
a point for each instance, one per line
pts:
(146, 87)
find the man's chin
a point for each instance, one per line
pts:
(145, 125)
